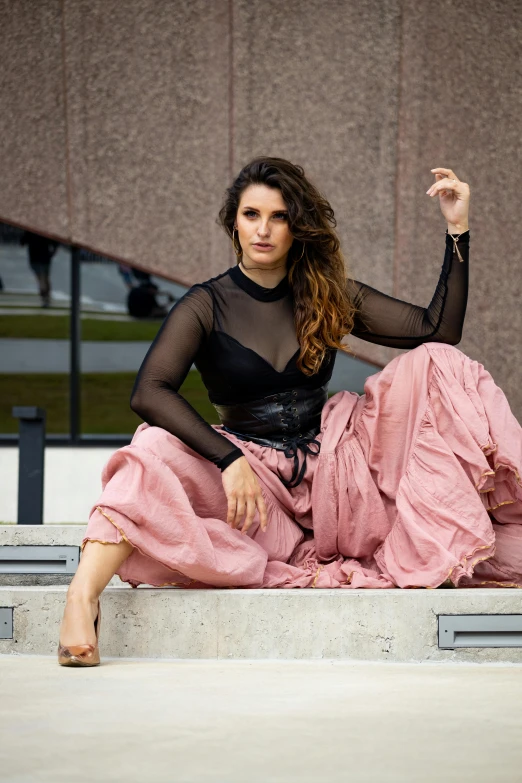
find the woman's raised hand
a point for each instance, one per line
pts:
(243, 495)
(453, 197)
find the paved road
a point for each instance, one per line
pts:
(44, 356)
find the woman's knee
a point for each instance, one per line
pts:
(440, 347)
(153, 438)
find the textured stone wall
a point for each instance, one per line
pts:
(318, 83)
(123, 123)
(147, 115)
(461, 106)
(33, 132)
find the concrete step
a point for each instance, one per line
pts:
(41, 536)
(54, 535)
(372, 625)
(369, 625)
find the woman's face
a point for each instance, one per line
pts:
(262, 227)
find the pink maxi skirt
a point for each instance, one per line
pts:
(417, 483)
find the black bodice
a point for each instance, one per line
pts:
(241, 337)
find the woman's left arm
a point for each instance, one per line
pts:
(384, 320)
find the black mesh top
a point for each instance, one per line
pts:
(241, 337)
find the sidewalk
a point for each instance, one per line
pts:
(259, 722)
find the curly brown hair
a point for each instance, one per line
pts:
(323, 309)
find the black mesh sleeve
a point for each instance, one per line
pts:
(155, 396)
(387, 321)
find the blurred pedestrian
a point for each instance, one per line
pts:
(143, 277)
(126, 273)
(142, 299)
(40, 250)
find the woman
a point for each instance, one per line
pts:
(392, 488)
(41, 251)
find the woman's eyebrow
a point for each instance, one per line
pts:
(256, 210)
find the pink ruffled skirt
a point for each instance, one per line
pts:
(417, 484)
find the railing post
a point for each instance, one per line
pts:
(75, 345)
(30, 464)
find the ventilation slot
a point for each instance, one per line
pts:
(39, 559)
(480, 630)
(6, 622)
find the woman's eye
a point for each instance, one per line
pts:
(251, 213)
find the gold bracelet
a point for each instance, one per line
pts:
(455, 246)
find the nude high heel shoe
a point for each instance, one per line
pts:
(82, 654)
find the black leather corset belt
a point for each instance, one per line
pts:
(288, 421)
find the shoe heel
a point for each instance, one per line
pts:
(82, 654)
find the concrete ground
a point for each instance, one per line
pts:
(259, 722)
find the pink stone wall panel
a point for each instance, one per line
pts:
(148, 131)
(317, 83)
(461, 107)
(32, 119)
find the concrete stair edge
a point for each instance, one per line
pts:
(365, 625)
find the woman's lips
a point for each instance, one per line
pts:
(263, 247)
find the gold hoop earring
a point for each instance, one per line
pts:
(236, 251)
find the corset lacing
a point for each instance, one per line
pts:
(294, 442)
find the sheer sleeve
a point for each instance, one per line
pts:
(155, 394)
(387, 321)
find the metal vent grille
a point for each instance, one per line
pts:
(480, 630)
(39, 559)
(6, 622)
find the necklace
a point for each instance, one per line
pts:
(261, 270)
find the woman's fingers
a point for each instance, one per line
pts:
(241, 505)
(263, 516)
(244, 496)
(249, 504)
(237, 506)
(442, 185)
(251, 510)
(261, 508)
(446, 182)
(231, 509)
(445, 173)
(453, 196)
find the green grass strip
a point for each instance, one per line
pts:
(104, 401)
(56, 327)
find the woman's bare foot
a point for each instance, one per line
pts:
(78, 621)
